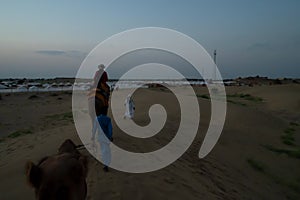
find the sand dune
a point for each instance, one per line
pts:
(252, 159)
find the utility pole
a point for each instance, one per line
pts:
(215, 69)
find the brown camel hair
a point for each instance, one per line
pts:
(61, 176)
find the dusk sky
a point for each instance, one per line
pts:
(51, 39)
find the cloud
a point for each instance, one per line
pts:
(51, 52)
(70, 53)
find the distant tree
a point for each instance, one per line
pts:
(277, 81)
(20, 81)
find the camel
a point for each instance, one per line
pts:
(61, 176)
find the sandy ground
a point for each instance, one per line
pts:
(253, 158)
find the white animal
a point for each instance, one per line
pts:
(129, 107)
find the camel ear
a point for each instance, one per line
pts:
(67, 146)
(33, 174)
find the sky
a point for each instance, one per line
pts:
(44, 39)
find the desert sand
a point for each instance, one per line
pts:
(256, 157)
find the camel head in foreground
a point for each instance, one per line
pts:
(62, 176)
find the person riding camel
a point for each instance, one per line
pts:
(100, 76)
(99, 93)
(102, 127)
